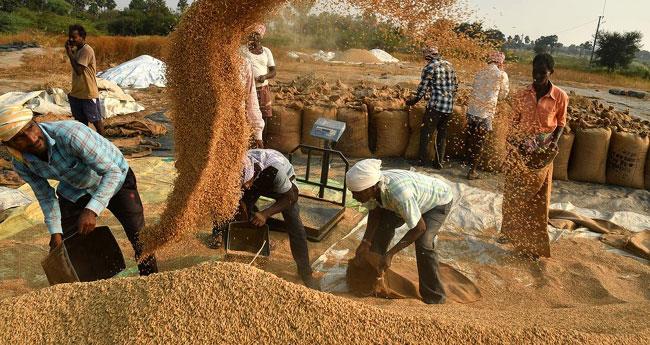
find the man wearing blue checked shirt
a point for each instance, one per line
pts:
(439, 83)
(92, 173)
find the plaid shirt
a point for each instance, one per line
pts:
(439, 83)
(410, 195)
(83, 161)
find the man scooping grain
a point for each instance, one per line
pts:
(268, 173)
(439, 83)
(92, 173)
(395, 197)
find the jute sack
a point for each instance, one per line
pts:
(415, 125)
(627, 159)
(561, 161)
(312, 113)
(495, 146)
(354, 142)
(589, 156)
(376, 106)
(283, 129)
(392, 133)
(457, 133)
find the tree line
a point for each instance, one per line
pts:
(141, 17)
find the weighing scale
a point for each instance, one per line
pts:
(319, 215)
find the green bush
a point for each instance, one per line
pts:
(60, 7)
(12, 22)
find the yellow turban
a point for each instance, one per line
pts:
(12, 120)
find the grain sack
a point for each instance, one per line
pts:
(283, 129)
(589, 155)
(457, 133)
(309, 116)
(376, 106)
(627, 159)
(561, 162)
(495, 146)
(354, 142)
(392, 133)
(415, 125)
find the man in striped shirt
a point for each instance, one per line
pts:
(92, 173)
(439, 83)
(396, 197)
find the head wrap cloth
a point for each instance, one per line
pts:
(497, 57)
(12, 120)
(260, 29)
(363, 175)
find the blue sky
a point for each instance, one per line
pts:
(574, 21)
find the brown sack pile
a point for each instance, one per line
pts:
(354, 142)
(310, 114)
(561, 162)
(392, 133)
(131, 126)
(647, 171)
(627, 159)
(283, 129)
(589, 157)
(416, 115)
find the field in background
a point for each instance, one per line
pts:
(570, 68)
(109, 50)
(113, 50)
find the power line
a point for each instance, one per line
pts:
(577, 27)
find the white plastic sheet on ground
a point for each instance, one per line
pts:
(139, 73)
(469, 234)
(318, 56)
(112, 99)
(384, 56)
(10, 198)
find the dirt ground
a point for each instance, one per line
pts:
(583, 287)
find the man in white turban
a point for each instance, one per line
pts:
(396, 197)
(92, 173)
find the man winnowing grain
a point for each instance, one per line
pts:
(395, 197)
(92, 172)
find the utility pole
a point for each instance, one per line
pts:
(593, 49)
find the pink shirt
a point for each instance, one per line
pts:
(545, 115)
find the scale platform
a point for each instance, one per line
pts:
(318, 213)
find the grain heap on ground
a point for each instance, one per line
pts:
(358, 56)
(234, 303)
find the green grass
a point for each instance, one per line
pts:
(23, 19)
(571, 62)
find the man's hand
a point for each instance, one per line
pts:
(410, 102)
(55, 241)
(87, 222)
(385, 262)
(259, 219)
(68, 48)
(259, 144)
(260, 79)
